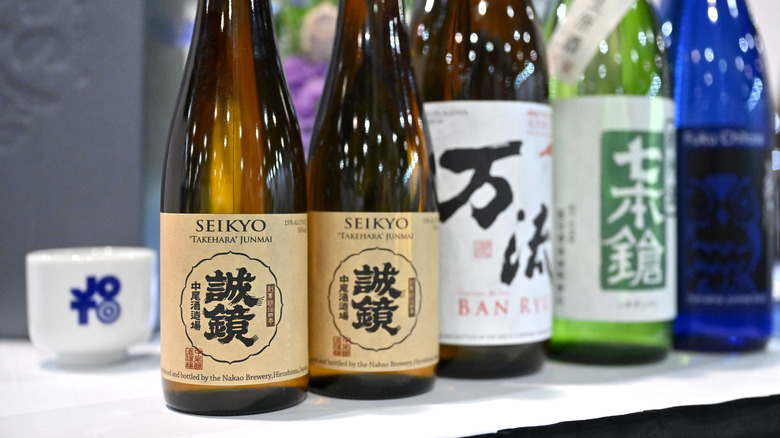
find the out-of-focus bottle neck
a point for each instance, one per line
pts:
(231, 16)
(371, 22)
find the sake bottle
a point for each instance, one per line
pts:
(614, 184)
(234, 224)
(725, 139)
(482, 70)
(372, 210)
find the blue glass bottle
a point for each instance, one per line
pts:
(725, 189)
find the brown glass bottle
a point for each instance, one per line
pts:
(234, 169)
(488, 53)
(369, 162)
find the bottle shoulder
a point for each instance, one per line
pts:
(479, 50)
(630, 60)
(369, 149)
(234, 144)
(719, 68)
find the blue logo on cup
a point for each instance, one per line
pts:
(107, 310)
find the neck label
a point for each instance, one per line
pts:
(580, 30)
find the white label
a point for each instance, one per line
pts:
(576, 39)
(615, 219)
(493, 176)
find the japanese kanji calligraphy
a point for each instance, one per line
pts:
(374, 291)
(615, 217)
(494, 181)
(234, 298)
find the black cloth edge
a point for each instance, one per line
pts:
(750, 418)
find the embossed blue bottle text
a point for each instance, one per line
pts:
(100, 295)
(725, 182)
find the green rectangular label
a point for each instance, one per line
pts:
(633, 230)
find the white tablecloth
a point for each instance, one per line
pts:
(38, 398)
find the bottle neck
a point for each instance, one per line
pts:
(238, 25)
(368, 25)
(371, 54)
(365, 10)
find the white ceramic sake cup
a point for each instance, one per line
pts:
(88, 305)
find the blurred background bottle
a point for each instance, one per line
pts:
(372, 215)
(482, 70)
(725, 124)
(614, 179)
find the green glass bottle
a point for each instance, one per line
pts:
(614, 182)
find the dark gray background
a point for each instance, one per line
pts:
(80, 141)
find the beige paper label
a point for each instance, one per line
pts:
(233, 298)
(374, 291)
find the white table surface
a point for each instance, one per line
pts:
(40, 398)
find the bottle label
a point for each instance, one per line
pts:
(576, 39)
(374, 291)
(233, 298)
(493, 182)
(615, 218)
(725, 220)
